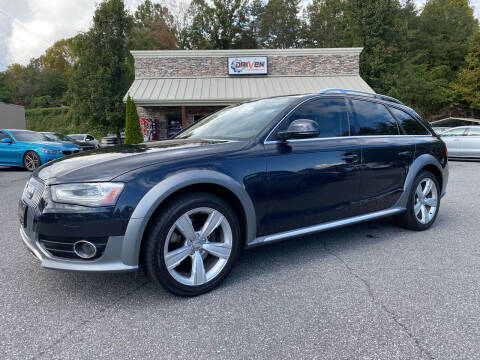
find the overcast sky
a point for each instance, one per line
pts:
(28, 27)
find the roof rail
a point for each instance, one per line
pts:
(362, 93)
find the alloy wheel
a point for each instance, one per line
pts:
(426, 201)
(31, 161)
(198, 246)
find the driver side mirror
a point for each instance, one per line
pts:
(300, 129)
(6, 140)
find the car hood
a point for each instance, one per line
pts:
(107, 163)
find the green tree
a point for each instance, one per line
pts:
(101, 74)
(468, 83)
(219, 24)
(133, 135)
(59, 57)
(327, 24)
(438, 46)
(5, 95)
(154, 28)
(280, 24)
(376, 26)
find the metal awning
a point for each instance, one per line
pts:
(198, 91)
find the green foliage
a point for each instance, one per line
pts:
(468, 82)
(42, 101)
(133, 135)
(58, 120)
(101, 74)
(280, 24)
(5, 95)
(428, 59)
(219, 24)
(154, 28)
(327, 24)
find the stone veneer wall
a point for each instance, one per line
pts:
(217, 66)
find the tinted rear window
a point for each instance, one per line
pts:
(371, 118)
(408, 123)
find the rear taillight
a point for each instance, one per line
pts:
(446, 150)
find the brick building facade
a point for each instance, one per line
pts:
(172, 89)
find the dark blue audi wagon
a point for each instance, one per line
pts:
(247, 175)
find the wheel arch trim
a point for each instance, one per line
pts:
(418, 164)
(156, 195)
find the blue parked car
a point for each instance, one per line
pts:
(29, 149)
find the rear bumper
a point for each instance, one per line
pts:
(108, 262)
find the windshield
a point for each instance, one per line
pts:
(58, 137)
(238, 122)
(28, 136)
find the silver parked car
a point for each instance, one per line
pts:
(462, 141)
(86, 138)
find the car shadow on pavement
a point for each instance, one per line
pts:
(12, 169)
(263, 261)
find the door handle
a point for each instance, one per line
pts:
(405, 153)
(349, 157)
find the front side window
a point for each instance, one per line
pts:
(408, 123)
(330, 115)
(473, 132)
(239, 122)
(3, 136)
(371, 118)
(454, 132)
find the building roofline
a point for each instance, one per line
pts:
(245, 52)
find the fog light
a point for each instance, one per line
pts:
(85, 249)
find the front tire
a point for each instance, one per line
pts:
(423, 203)
(192, 244)
(31, 160)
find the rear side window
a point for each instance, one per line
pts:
(3, 136)
(473, 132)
(409, 125)
(372, 118)
(330, 115)
(454, 132)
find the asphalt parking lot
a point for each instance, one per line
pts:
(371, 291)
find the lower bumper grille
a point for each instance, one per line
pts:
(63, 247)
(69, 152)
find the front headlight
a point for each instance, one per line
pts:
(48, 151)
(87, 194)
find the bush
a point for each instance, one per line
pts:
(42, 101)
(58, 119)
(133, 135)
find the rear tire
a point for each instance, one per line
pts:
(423, 203)
(192, 244)
(31, 160)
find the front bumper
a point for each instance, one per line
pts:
(44, 158)
(49, 232)
(108, 262)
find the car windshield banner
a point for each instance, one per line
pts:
(247, 65)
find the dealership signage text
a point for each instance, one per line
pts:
(247, 65)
